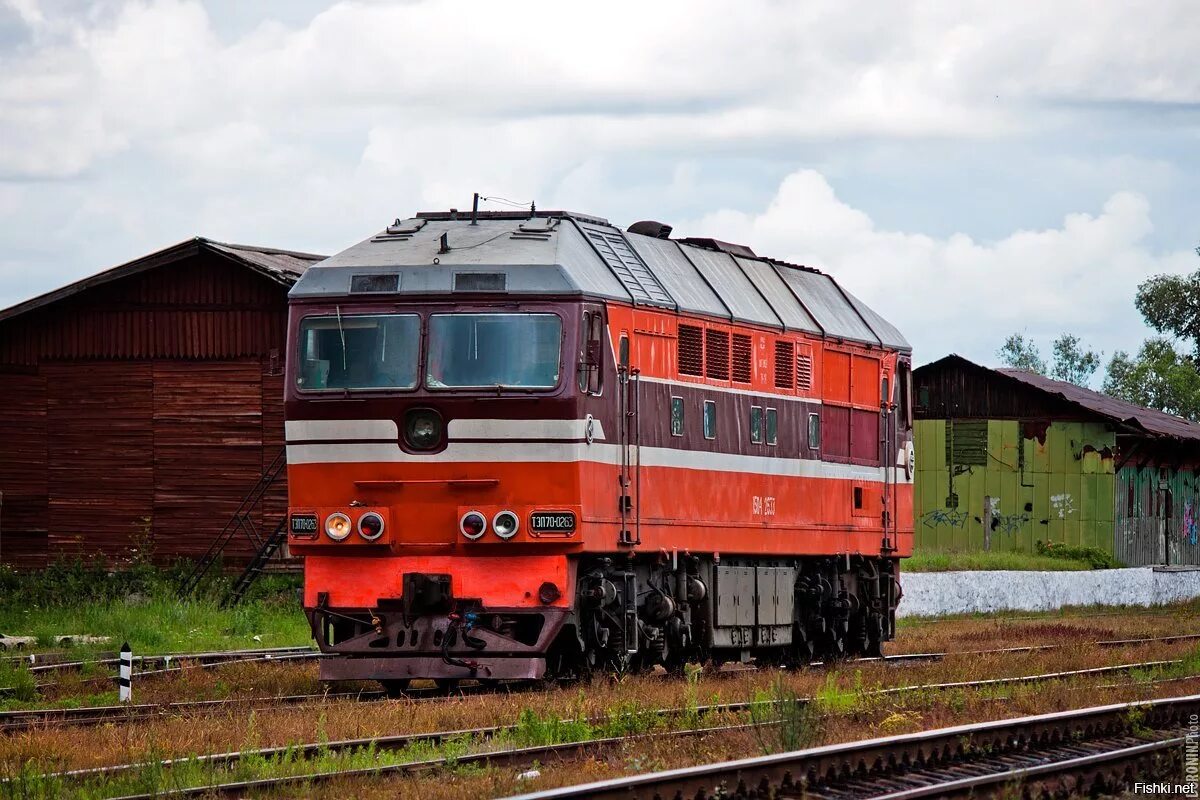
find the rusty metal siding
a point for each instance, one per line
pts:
(954, 388)
(1157, 513)
(100, 446)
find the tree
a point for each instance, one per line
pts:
(1072, 363)
(1021, 353)
(1159, 377)
(1171, 306)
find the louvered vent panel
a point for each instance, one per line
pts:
(741, 358)
(785, 363)
(716, 354)
(628, 266)
(691, 351)
(804, 373)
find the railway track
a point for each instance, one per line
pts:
(302, 654)
(1085, 750)
(229, 761)
(39, 665)
(30, 718)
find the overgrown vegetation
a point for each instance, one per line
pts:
(947, 561)
(1093, 556)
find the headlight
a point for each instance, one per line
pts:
(423, 429)
(473, 524)
(337, 526)
(505, 524)
(370, 526)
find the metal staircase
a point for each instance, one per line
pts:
(242, 521)
(257, 565)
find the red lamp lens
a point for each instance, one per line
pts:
(473, 525)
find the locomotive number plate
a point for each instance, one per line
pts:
(304, 525)
(552, 522)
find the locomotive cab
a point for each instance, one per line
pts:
(529, 446)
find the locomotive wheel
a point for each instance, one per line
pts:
(446, 685)
(396, 688)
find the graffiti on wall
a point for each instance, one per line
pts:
(1063, 505)
(1189, 522)
(1001, 522)
(949, 517)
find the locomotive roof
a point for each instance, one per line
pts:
(562, 253)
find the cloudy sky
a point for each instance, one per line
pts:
(970, 169)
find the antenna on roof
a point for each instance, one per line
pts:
(475, 210)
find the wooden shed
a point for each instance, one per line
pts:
(139, 406)
(1007, 458)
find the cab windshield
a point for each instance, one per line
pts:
(502, 350)
(379, 351)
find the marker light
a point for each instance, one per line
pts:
(473, 524)
(505, 524)
(423, 429)
(337, 526)
(370, 526)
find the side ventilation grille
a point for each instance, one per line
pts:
(804, 372)
(785, 362)
(741, 358)
(691, 351)
(716, 354)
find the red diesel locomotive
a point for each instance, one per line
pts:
(530, 445)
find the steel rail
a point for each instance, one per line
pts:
(31, 718)
(1110, 755)
(209, 657)
(508, 756)
(875, 760)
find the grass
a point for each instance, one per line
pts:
(138, 605)
(948, 561)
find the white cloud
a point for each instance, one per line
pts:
(955, 294)
(660, 75)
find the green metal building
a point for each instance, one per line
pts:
(1006, 458)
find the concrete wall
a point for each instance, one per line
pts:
(937, 593)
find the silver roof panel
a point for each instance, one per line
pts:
(888, 333)
(678, 275)
(771, 286)
(825, 301)
(727, 280)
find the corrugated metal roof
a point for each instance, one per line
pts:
(283, 266)
(1135, 416)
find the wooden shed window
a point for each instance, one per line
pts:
(741, 357)
(716, 354)
(691, 350)
(966, 443)
(785, 362)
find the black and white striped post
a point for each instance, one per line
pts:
(125, 680)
